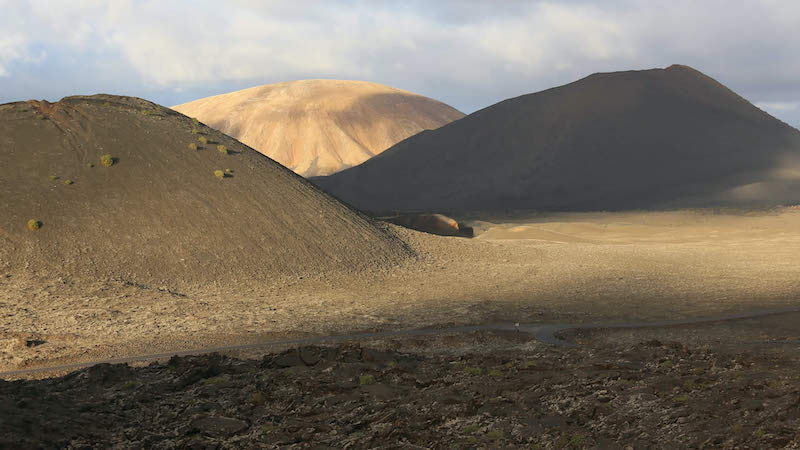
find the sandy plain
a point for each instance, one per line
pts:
(546, 268)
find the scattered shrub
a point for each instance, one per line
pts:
(681, 399)
(495, 373)
(214, 380)
(203, 140)
(53, 177)
(577, 441)
(529, 364)
(474, 370)
(69, 182)
(469, 429)
(195, 131)
(34, 224)
(495, 435)
(258, 398)
(107, 160)
(366, 379)
(193, 146)
(195, 121)
(222, 149)
(90, 165)
(219, 174)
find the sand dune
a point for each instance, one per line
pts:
(160, 215)
(319, 127)
(640, 139)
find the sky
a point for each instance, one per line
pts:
(467, 53)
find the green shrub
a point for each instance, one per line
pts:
(195, 131)
(219, 174)
(577, 441)
(34, 224)
(107, 160)
(469, 429)
(203, 140)
(222, 149)
(69, 182)
(53, 177)
(474, 370)
(195, 121)
(495, 373)
(529, 364)
(494, 435)
(229, 171)
(214, 380)
(90, 165)
(193, 146)
(366, 379)
(258, 398)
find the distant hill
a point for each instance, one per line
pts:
(640, 139)
(161, 213)
(319, 127)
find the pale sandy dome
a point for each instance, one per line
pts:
(319, 127)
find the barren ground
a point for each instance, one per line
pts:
(719, 385)
(574, 268)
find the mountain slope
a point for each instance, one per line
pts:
(318, 127)
(637, 139)
(160, 214)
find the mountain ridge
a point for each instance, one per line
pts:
(601, 142)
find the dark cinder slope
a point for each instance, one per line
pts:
(160, 214)
(639, 139)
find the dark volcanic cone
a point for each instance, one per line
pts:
(160, 213)
(641, 139)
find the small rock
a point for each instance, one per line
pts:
(34, 342)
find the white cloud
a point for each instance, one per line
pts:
(469, 54)
(778, 107)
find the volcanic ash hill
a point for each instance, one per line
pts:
(641, 139)
(318, 127)
(179, 204)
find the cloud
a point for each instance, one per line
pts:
(467, 53)
(778, 106)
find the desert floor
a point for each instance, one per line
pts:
(557, 268)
